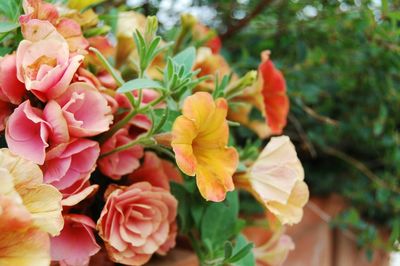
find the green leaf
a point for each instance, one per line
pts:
(219, 220)
(183, 197)
(8, 26)
(11, 9)
(5, 50)
(186, 58)
(243, 255)
(136, 84)
(228, 249)
(169, 120)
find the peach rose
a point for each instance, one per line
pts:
(11, 89)
(85, 109)
(76, 243)
(44, 63)
(119, 163)
(156, 171)
(72, 33)
(27, 133)
(136, 222)
(38, 9)
(68, 166)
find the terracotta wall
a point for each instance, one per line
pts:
(319, 245)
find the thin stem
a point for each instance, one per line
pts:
(145, 141)
(108, 67)
(163, 150)
(179, 40)
(118, 79)
(361, 167)
(232, 29)
(120, 124)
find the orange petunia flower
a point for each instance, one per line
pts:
(200, 138)
(268, 95)
(274, 93)
(211, 64)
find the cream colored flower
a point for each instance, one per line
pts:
(29, 211)
(22, 180)
(277, 180)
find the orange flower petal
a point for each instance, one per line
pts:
(200, 137)
(214, 172)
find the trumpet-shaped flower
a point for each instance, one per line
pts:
(79, 4)
(276, 179)
(210, 64)
(274, 94)
(29, 210)
(200, 138)
(22, 180)
(271, 248)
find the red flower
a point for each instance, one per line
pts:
(274, 94)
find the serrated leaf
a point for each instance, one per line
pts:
(186, 58)
(137, 84)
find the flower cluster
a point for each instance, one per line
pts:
(89, 153)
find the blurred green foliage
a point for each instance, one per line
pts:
(341, 60)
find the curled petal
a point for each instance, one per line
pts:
(27, 133)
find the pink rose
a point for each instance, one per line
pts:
(76, 243)
(119, 163)
(27, 133)
(43, 60)
(77, 192)
(136, 222)
(11, 89)
(5, 111)
(69, 165)
(38, 9)
(85, 109)
(156, 171)
(72, 32)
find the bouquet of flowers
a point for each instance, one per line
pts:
(118, 139)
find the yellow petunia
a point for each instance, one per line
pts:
(81, 4)
(200, 139)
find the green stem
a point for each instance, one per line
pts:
(146, 141)
(179, 40)
(113, 73)
(120, 124)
